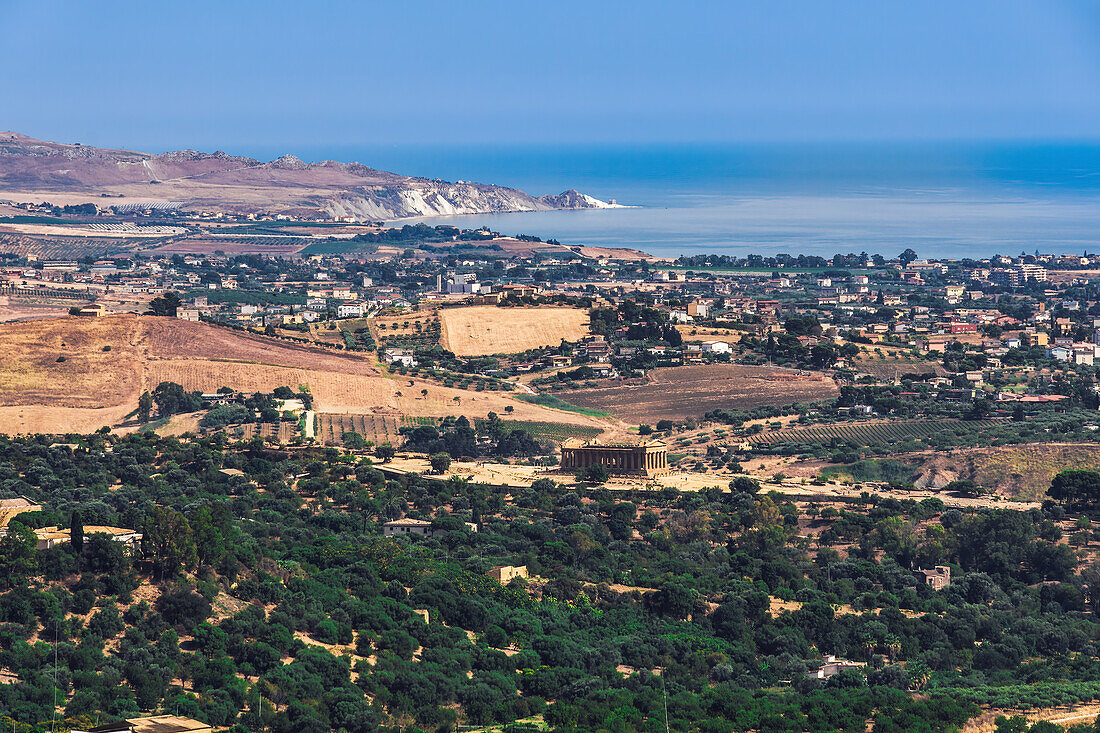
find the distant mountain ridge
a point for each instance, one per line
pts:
(39, 170)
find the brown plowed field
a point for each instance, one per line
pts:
(676, 393)
(479, 330)
(99, 387)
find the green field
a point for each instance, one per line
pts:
(554, 432)
(557, 403)
(335, 247)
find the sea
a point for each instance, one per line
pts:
(942, 199)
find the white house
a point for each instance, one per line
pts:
(404, 357)
(716, 347)
(349, 310)
(415, 526)
(680, 317)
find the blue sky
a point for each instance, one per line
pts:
(160, 75)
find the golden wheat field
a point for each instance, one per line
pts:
(480, 330)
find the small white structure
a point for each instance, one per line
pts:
(349, 310)
(716, 347)
(421, 527)
(831, 666)
(679, 316)
(404, 357)
(407, 526)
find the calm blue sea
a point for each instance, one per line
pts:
(941, 199)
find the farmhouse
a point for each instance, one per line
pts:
(93, 311)
(421, 527)
(504, 574)
(716, 347)
(53, 536)
(938, 578)
(404, 357)
(153, 724)
(647, 459)
(11, 508)
(407, 526)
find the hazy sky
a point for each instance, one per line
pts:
(160, 75)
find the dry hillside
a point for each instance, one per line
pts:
(37, 170)
(1014, 470)
(58, 375)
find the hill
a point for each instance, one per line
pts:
(36, 170)
(77, 374)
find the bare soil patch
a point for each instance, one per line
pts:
(676, 393)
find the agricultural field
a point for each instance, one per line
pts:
(71, 362)
(284, 432)
(379, 428)
(171, 338)
(554, 432)
(706, 333)
(24, 310)
(880, 432)
(65, 363)
(889, 369)
(62, 248)
(677, 393)
(481, 330)
(270, 245)
(414, 330)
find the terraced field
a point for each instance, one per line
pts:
(885, 432)
(379, 428)
(284, 431)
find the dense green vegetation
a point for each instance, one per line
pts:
(252, 568)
